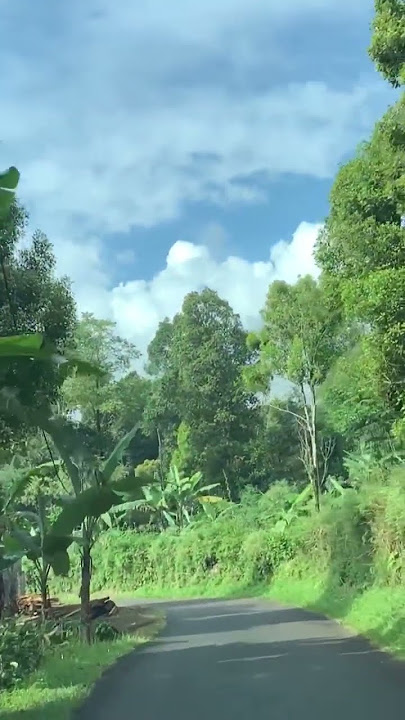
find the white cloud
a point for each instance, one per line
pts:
(138, 306)
(120, 113)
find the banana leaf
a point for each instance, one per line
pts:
(8, 185)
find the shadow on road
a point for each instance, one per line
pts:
(283, 664)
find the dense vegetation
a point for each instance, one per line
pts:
(195, 475)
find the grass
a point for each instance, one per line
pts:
(376, 612)
(66, 676)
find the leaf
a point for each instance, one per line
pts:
(93, 502)
(169, 518)
(60, 563)
(106, 517)
(210, 499)
(21, 484)
(336, 485)
(205, 488)
(8, 185)
(8, 561)
(22, 345)
(69, 362)
(116, 456)
(9, 179)
(27, 542)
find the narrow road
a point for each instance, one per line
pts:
(232, 660)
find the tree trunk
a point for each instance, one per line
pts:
(85, 594)
(2, 595)
(314, 452)
(43, 582)
(10, 579)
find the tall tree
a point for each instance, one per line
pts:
(97, 342)
(32, 299)
(301, 338)
(200, 359)
(274, 451)
(362, 247)
(354, 400)
(387, 47)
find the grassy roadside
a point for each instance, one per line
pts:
(66, 677)
(376, 612)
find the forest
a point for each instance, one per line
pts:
(201, 473)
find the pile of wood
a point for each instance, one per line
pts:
(32, 604)
(102, 607)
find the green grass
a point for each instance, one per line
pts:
(65, 678)
(378, 613)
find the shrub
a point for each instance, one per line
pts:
(358, 538)
(21, 651)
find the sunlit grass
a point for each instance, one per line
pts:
(65, 678)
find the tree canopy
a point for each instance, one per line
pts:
(387, 47)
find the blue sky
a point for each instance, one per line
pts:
(168, 145)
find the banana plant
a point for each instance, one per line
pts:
(174, 500)
(10, 551)
(31, 535)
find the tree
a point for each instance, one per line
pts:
(126, 406)
(96, 341)
(273, 453)
(32, 300)
(362, 250)
(354, 400)
(387, 47)
(301, 338)
(200, 359)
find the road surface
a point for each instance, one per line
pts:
(241, 659)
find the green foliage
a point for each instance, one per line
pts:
(198, 360)
(95, 398)
(303, 335)
(353, 398)
(32, 301)
(387, 47)
(105, 632)
(361, 250)
(357, 540)
(173, 500)
(21, 651)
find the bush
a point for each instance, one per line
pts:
(21, 651)
(357, 539)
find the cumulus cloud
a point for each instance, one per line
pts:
(139, 305)
(121, 113)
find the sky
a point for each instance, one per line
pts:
(167, 146)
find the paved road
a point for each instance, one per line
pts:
(232, 660)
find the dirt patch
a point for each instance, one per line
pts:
(128, 620)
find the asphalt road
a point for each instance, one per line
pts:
(240, 659)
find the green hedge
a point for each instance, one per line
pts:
(356, 540)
